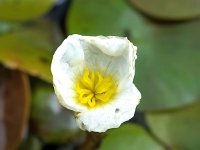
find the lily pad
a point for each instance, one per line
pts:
(179, 129)
(167, 69)
(169, 10)
(129, 137)
(168, 66)
(30, 48)
(100, 17)
(14, 107)
(24, 10)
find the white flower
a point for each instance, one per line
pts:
(93, 77)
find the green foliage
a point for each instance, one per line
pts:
(179, 129)
(84, 19)
(29, 48)
(168, 72)
(129, 137)
(23, 10)
(170, 9)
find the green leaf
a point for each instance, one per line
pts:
(24, 10)
(168, 55)
(179, 128)
(100, 17)
(167, 69)
(129, 137)
(30, 48)
(169, 10)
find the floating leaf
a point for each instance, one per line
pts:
(165, 73)
(14, 107)
(100, 17)
(30, 48)
(129, 137)
(167, 70)
(23, 10)
(179, 128)
(169, 10)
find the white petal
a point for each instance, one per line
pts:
(110, 45)
(111, 55)
(111, 115)
(68, 61)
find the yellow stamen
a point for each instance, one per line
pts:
(93, 88)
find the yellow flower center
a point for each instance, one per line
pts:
(93, 88)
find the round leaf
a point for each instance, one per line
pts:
(179, 128)
(169, 10)
(30, 49)
(23, 10)
(167, 70)
(100, 17)
(129, 137)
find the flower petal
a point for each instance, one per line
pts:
(110, 45)
(68, 61)
(112, 55)
(113, 114)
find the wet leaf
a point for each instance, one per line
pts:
(169, 10)
(30, 48)
(100, 17)
(166, 69)
(14, 107)
(179, 128)
(24, 10)
(51, 122)
(129, 137)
